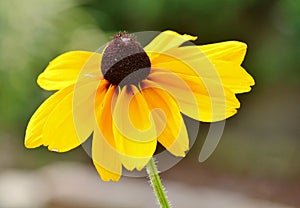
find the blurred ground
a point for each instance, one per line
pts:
(254, 187)
(66, 185)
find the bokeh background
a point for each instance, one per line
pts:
(258, 156)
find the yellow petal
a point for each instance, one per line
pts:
(84, 103)
(233, 76)
(213, 86)
(135, 151)
(63, 71)
(174, 136)
(227, 58)
(60, 132)
(105, 174)
(34, 131)
(167, 40)
(185, 60)
(133, 154)
(206, 101)
(105, 158)
(231, 51)
(223, 66)
(132, 116)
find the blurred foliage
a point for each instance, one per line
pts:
(270, 27)
(33, 32)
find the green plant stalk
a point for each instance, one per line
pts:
(157, 185)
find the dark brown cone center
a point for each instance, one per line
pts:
(124, 61)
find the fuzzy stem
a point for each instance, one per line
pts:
(157, 185)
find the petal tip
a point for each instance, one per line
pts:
(105, 174)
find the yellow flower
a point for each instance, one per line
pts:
(127, 110)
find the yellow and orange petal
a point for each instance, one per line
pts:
(171, 130)
(105, 157)
(133, 128)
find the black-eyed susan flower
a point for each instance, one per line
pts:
(129, 98)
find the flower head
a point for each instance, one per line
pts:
(129, 98)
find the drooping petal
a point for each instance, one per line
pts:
(59, 132)
(34, 131)
(184, 60)
(84, 95)
(105, 156)
(104, 103)
(174, 136)
(213, 86)
(221, 64)
(134, 129)
(63, 71)
(132, 117)
(167, 40)
(206, 101)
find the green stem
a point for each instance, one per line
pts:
(156, 184)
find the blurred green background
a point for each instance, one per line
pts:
(262, 141)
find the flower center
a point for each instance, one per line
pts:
(124, 61)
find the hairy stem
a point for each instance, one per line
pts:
(157, 185)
